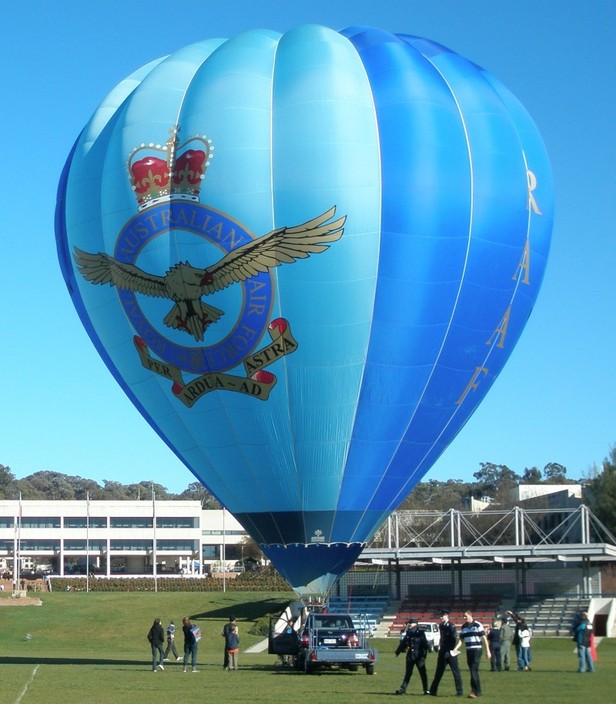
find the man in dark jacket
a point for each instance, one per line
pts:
(415, 643)
(449, 640)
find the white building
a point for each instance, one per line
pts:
(117, 537)
(555, 495)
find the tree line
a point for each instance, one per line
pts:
(46, 485)
(495, 481)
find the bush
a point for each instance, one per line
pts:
(265, 580)
(261, 625)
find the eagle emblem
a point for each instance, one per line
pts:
(187, 285)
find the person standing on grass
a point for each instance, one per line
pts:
(474, 636)
(232, 645)
(191, 639)
(524, 634)
(517, 621)
(156, 636)
(226, 629)
(507, 633)
(494, 639)
(583, 638)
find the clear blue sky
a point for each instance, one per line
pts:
(555, 401)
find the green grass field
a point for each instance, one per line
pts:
(92, 649)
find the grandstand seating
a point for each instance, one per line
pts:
(551, 616)
(547, 616)
(366, 611)
(425, 608)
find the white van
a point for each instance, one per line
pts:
(433, 635)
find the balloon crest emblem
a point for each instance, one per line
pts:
(166, 180)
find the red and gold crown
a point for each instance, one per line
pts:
(171, 171)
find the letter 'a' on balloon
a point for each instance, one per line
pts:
(306, 257)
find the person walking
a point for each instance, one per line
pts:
(494, 639)
(473, 636)
(156, 636)
(192, 635)
(226, 629)
(447, 654)
(583, 637)
(415, 643)
(171, 642)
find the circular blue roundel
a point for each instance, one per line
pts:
(226, 234)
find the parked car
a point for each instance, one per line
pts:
(433, 635)
(330, 630)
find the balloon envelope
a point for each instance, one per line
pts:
(305, 258)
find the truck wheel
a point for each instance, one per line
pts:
(308, 666)
(370, 669)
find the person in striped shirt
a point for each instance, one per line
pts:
(473, 636)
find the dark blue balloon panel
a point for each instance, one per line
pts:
(306, 258)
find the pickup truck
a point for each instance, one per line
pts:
(331, 640)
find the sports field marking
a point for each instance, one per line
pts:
(28, 683)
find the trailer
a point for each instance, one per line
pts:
(322, 640)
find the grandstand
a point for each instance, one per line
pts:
(546, 564)
(484, 608)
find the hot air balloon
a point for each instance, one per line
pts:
(306, 257)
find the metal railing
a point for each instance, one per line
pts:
(513, 527)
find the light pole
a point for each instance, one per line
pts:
(224, 551)
(17, 553)
(87, 541)
(154, 558)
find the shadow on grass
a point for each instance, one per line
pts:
(250, 611)
(69, 661)
(134, 663)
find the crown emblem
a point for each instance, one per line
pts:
(171, 171)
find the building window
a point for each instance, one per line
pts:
(136, 545)
(6, 522)
(81, 545)
(141, 522)
(40, 522)
(82, 522)
(31, 545)
(75, 522)
(172, 522)
(176, 545)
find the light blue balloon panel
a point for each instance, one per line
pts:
(305, 258)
